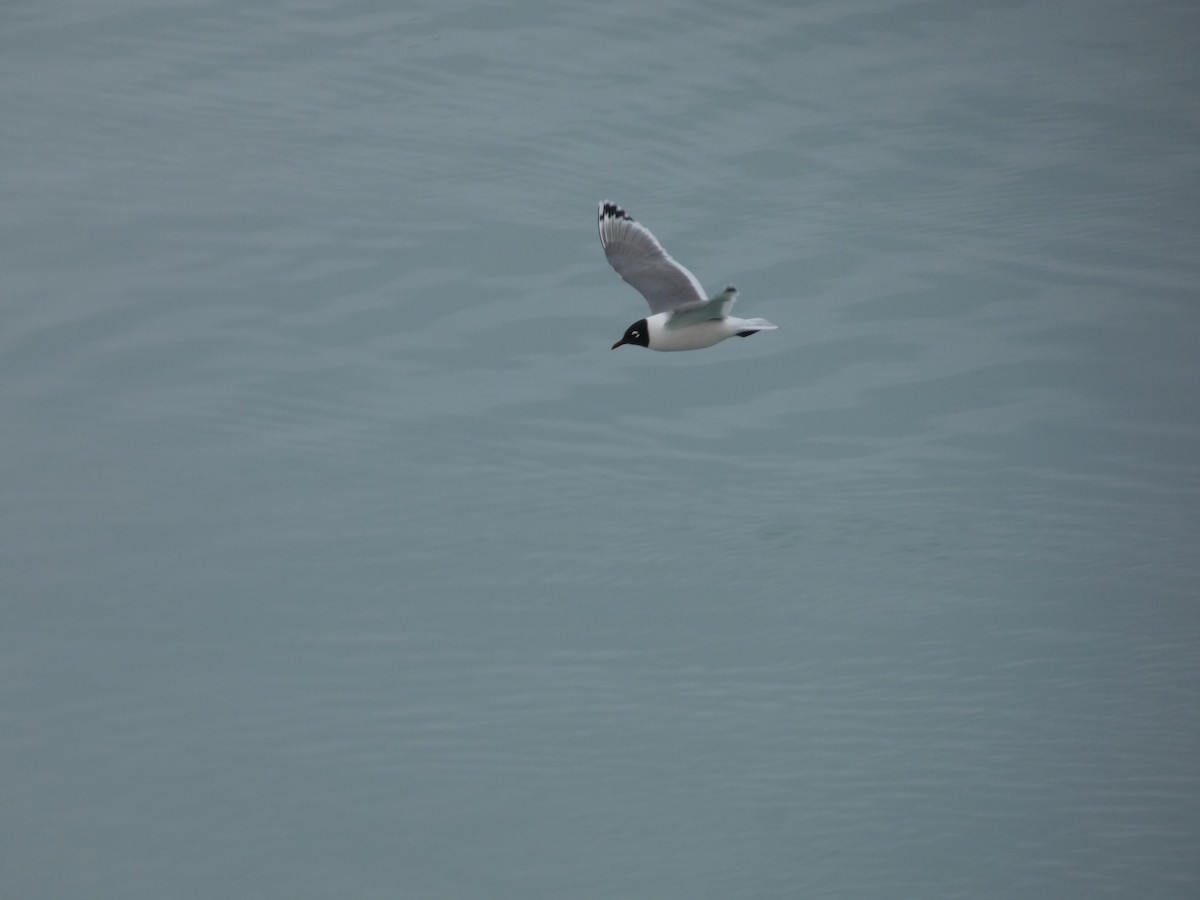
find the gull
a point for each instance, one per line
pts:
(682, 316)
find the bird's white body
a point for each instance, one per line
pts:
(682, 317)
(664, 335)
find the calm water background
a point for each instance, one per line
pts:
(341, 557)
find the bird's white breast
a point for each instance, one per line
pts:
(687, 337)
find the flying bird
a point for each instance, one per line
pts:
(682, 316)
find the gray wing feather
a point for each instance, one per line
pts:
(640, 259)
(716, 308)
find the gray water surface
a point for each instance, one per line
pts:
(341, 557)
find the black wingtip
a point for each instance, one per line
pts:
(612, 211)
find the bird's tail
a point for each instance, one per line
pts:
(747, 327)
(752, 326)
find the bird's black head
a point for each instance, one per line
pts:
(638, 334)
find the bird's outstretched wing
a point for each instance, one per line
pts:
(640, 259)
